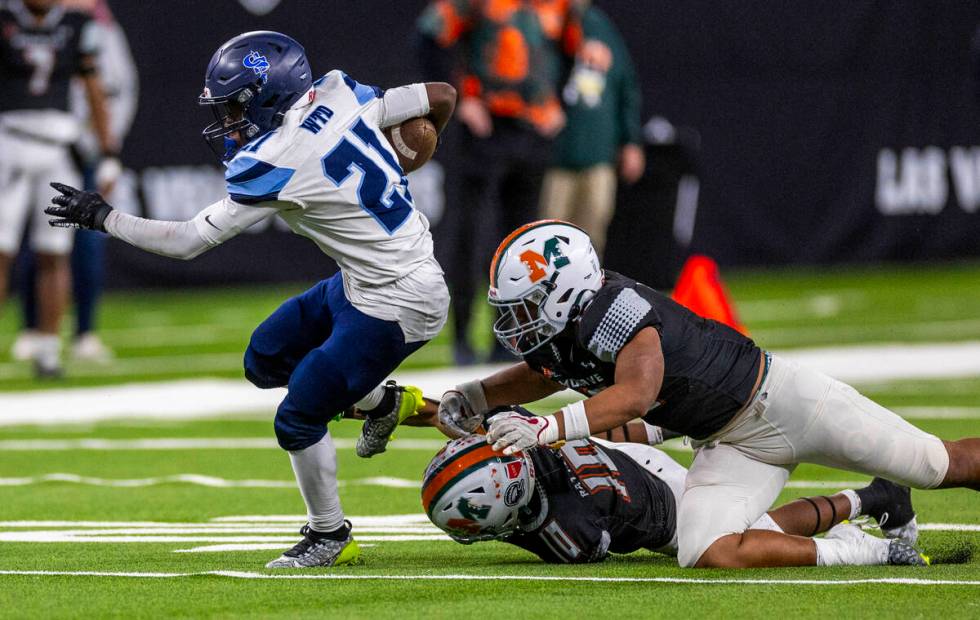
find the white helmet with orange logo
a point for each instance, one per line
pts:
(540, 278)
(473, 493)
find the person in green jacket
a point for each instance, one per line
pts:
(602, 105)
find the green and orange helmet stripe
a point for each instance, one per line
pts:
(509, 240)
(455, 468)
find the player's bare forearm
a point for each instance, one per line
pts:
(98, 107)
(639, 377)
(442, 102)
(517, 385)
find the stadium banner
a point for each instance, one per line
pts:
(835, 132)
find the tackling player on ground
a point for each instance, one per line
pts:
(589, 497)
(753, 416)
(313, 153)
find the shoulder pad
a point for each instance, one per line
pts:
(616, 321)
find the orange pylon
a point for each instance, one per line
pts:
(700, 290)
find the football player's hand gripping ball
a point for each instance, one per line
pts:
(77, 209)
(512, 432)
(457, 414)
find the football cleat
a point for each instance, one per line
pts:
(890, 505)
(901, 553)
(376, 432)
(90, 348)
(23, 348)
(315, 550)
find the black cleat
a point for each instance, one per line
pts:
(890, 505)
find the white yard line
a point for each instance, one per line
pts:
(377, 481)
(190, 443)
(204, 398)
(904, 581)
(199, 480)
(69, 537)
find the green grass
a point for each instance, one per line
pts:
(162, 335)
(80, 596)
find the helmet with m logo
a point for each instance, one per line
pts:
(541, 277)
(473, 493)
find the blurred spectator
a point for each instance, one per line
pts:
(602, 102)
(120, 80)
(507, 58)
(43, 46)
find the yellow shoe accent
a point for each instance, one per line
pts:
(350, 555)
(926, 559)
(412, 401)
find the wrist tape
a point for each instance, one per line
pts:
(473, 392)
(576, 422)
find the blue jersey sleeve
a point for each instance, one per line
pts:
(251, 181)
(362, 92)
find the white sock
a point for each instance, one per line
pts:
(372, 400)
(851, 551)
(855, 503)
(316, 473)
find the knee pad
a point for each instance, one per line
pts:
(294, 431)
(263, 372)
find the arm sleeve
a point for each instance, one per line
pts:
(402, 103)
(186, 240)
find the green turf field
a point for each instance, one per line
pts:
(165, 334)
(144, 500)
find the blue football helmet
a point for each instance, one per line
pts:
(250, 83)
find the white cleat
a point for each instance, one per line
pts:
(24, 348)
(90, 348)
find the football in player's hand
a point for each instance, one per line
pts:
(414, 141)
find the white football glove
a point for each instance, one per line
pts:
(512, 432)
(457, 414)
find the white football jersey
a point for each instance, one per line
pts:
(333, 177)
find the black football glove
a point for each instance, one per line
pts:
(78, 209)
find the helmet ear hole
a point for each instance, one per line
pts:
(564, 296)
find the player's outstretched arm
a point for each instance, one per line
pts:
(184, 240)
(517, 385)
(639, 376)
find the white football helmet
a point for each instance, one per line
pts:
(541, 277)
(473, 493)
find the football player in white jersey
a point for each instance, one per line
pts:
(314, 154)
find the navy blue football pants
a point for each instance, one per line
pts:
(328, 353)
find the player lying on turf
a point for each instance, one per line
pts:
(313, 153)
(589, 497)
(579, 502)
(636, 353)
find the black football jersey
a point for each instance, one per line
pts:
(709, 368)
(591, 501)
(37, 61)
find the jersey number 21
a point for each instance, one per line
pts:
(389, 203)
